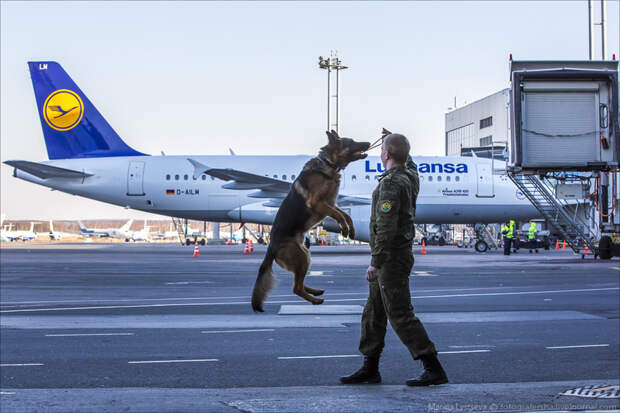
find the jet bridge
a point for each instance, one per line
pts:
(564, 118)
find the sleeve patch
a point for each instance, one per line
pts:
(386, 206)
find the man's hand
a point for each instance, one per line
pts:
(371, 273)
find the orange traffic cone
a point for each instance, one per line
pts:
(423, 247)
(587, 251)
(564, 245)
(196, 252)
(227, 242)
(251, 246)
(246, 250)
(322, 243)
(557, 244)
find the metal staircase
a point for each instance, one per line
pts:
(178, 225)
(575, 232)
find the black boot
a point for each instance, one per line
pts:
(433, 373)
(368, 374)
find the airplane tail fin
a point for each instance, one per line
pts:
(72, 126)
(32, 227)
(81, 225)
(126, 227)
(51, 227)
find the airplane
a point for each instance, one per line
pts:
(122, 232)
(143, 234)
(88, 158)
(18, 235)
(57, 235)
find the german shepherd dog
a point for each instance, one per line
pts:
(311, 199)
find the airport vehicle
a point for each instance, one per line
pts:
(122, 232)
(89, 159)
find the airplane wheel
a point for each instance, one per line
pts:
(202, 242)
(481, 246)
(188, 242)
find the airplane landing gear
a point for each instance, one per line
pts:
(481, 246)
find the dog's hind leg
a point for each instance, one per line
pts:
(313, 291)
(296, 259)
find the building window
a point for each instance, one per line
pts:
(168, 177)
(461, 137)
(486, 141)
(486, 122)
(176, 177)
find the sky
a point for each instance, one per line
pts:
(202, 77)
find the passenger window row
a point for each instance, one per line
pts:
(185, 177)
(439, 178)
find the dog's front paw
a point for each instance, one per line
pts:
(345, 231)
(352, 232)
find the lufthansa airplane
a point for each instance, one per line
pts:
(89, 159)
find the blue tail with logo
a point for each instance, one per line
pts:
(72, 126)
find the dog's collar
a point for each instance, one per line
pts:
(329, 163)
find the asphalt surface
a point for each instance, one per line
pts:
(123, 327)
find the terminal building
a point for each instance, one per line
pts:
(481, 127)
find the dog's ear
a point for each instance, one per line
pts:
(333, 137)
(385, 132)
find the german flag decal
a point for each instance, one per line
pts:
(169, 191)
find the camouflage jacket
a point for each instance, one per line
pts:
(393, 212)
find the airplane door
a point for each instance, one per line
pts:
(484, 180)
(135, 179)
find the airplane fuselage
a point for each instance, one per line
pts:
(452, 189)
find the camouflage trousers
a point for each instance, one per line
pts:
(389, 299)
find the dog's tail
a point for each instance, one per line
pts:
(264, 282)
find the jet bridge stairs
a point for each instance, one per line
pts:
(573, 230)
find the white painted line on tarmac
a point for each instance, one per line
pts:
(320, 357)
(189, 282)
(170, 361)
(463, 351)
(614, 268)
(119, 300)
(473, 346)
(238, 331)
(6, 392)
(21, 364)
(582, 346)
(30, 310)
(89, 334)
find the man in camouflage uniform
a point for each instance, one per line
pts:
(391, 235)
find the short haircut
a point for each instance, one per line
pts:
(398, 147)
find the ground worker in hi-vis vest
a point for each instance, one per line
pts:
(391, 236)
(531, 237)
(508, 234)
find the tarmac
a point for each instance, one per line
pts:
(148, 328)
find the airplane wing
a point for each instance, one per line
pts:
(273, 189)
(46, 171)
